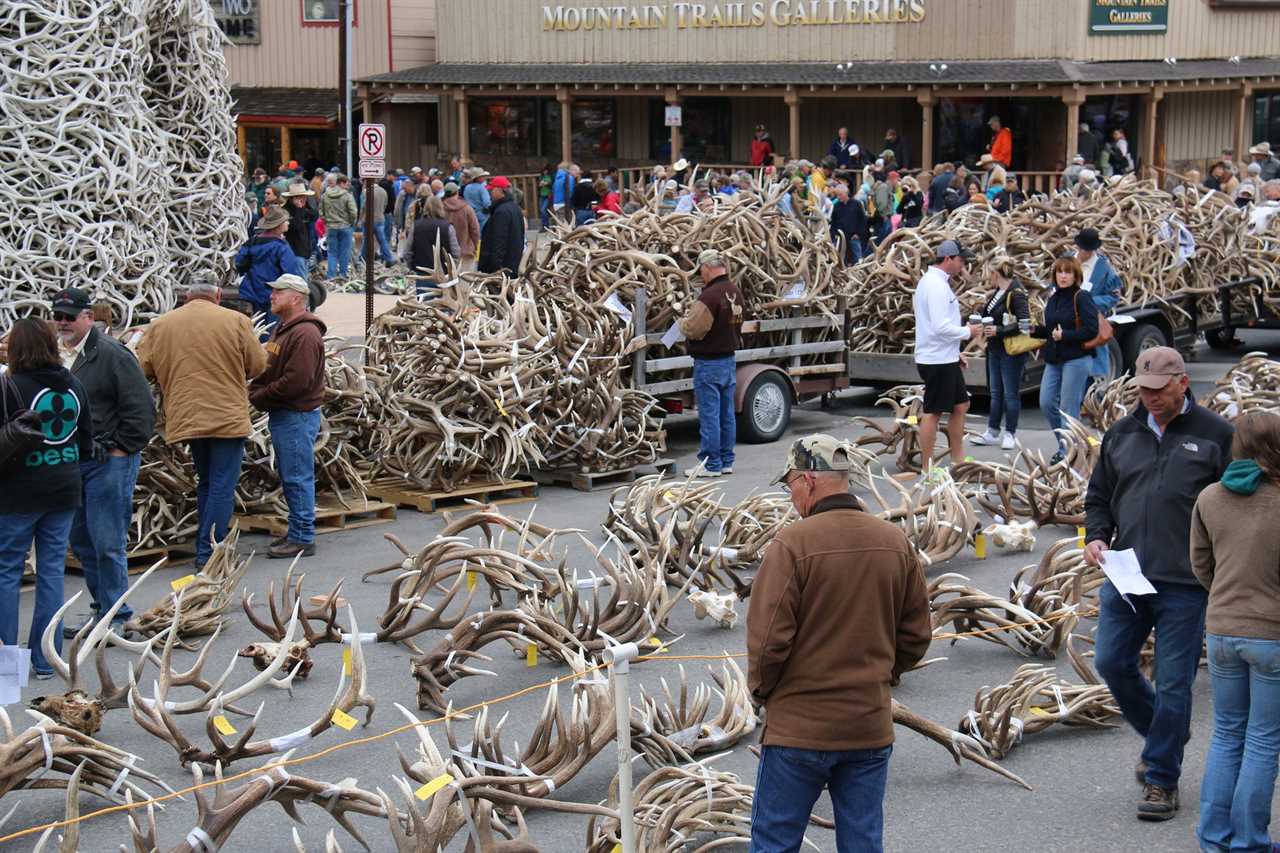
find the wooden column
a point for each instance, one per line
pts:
(925, 100)
(464, 133)
(1073, 101)
(242, 145)
(673, 100)
(1238, 142)
(286, 145)
(1150, 115)
(566, 124)
(793, 106)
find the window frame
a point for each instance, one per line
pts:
(302, 16)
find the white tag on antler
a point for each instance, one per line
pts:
(200, 840)
(289, 741)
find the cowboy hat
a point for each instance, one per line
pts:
(985, 159)
(1263, 148)
(272, 219)
(680, 165)
(296, 188)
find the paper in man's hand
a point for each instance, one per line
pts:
(1124, 572)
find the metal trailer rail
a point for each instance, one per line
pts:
(769, 378)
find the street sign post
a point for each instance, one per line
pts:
(371, 140)
(373, 167)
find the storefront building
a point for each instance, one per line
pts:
(282, 63)
(526, 82)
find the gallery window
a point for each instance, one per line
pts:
(1266, 119)
(324, 13)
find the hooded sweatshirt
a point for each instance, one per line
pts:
(465, 225)
(338, 208)
(294, 378)
(48, 478)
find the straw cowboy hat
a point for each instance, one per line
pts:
(680, 165)
(273, 218)
(1263, 148)
(297, 188)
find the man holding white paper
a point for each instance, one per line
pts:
(1154, 463)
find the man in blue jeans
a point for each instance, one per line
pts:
(839, 610)
(1153, 465)
(124, 418)
(290, 391)
(201, 355)
(713, 328)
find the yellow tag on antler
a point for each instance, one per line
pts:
(343, 720)
(346, 661)
(655, 643)
(980, 546)
(1080, 537)
(1093, 442)
(617, 848)
(912, 420)
(223, 725)
(503, 411)
(1039, 712)
(182, 582)
(434, 785)
(531, 654)
(471, 581)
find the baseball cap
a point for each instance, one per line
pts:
(950, 248)
(71, 300)
(500, 183)
(451, 188)
(415, 170)
(289, 281)
(1157, 366)
(818, 452)
(710, 258)
(1245, 189)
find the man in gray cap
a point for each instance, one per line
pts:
(839, 610)
(939, 334)
(1152, 466)
(290, 391)
(712, 326)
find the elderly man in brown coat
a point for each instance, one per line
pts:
(839, 610)
(202, 356)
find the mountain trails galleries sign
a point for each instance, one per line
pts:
(750, 13)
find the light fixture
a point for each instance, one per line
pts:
(1169, 60)
(1235, 60)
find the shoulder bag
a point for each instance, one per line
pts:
(1105, 332)
(21, 434)
(1019, 343)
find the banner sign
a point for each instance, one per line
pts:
(239, 20)
(730, 15)
(1128, 17)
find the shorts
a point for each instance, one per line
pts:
(943, 387)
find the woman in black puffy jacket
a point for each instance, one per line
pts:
(1070, 319)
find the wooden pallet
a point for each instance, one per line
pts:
(589, 481)
(330, 518)
(141, 559)
(493, 492)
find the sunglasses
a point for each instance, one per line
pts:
(63, 317)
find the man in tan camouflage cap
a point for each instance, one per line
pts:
(839, 609)
(712, 326)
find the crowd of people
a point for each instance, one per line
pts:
(78, 411)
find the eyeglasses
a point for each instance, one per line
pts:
(63, 317)
(786, 484)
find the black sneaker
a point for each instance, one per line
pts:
(1140, 771)
(288, 550)
(1157, 803)
(70, 630)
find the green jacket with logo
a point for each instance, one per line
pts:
(48, 478)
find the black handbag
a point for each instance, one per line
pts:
(20, 434)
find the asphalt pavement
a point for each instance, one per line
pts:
(1084, 793)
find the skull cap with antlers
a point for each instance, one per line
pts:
(817, 452)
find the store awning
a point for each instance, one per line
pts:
(1055, 72)
(285, 105)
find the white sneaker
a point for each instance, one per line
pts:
(987, 437)
(700, 472)
(1009, 442)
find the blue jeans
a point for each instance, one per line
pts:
(100, 532)
(1101, 365)
(789, 781)
(340, 241)
(1161, 714)
(1004, 380)
(1240, 773)
(1062, 390)
(714, 383)
(293, 435)
(217, 462)
(384, 241)
(51, 531)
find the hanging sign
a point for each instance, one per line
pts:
(1128, 17)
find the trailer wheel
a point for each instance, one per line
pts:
(1144, 337)
(766, 409)
(1221, 339)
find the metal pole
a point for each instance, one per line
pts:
(344, 81)
(619, 658)
(368, 255)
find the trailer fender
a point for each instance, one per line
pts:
(747, 372)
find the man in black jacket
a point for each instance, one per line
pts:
(1153, 465)
(848, 219)
(124, 418)
(502, 240)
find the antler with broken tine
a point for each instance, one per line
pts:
(154, 715)
(37, 756)
(205, 598)
(78, 707)
(325, 613)
(219, 817)
(1036, 627)
(959, 744)
(685, 722)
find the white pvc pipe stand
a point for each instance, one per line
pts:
(619, 658)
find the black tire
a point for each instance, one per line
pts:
(1143, 337)
(766, 409)
(319, 293)
(1220, 339)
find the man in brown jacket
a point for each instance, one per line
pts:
(713, 327)
(290, 391)
(201, 356)
(465, 225)
(839, 610)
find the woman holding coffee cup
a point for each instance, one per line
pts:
(1003, 312)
